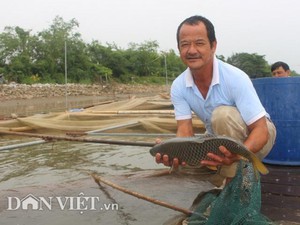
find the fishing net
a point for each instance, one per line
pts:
(147, 114)
(238, 203)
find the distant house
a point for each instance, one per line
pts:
(30, 200)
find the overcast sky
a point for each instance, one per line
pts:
(265, 27)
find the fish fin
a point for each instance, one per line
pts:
(199, 140)
(206, 135)
(203, 137)
(243, 158)
(259, 165)
(212, 168)
(172, 169)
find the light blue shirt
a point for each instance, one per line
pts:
(230, 87)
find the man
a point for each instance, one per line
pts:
(280, 69)
(221, 95)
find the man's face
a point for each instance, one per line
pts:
(280, 72)
(194, 46)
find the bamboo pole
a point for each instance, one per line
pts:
(97, 104)
(98, 179)
(9, 147)
(114, 127)
(79, 139)
(170, 112)
(132, 134)
(94, 133)
(25, 128)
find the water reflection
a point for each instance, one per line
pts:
(61, 169)
(67, 160)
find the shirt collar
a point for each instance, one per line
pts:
(215, 79)
(216, 75)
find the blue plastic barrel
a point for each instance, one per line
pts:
(281, 99)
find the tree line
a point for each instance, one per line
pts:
(46, 57)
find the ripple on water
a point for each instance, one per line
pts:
(61, 169)
(59, 161)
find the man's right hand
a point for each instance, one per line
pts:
(165, 160)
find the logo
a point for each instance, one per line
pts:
(80, 203)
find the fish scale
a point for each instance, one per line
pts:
(194, 149)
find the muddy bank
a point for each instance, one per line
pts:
(23, 91)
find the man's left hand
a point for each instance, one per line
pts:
(217, 160)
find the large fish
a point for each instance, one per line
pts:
(194, 149)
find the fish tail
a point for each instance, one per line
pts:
(212, 167)
(259, 165)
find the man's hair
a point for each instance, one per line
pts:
(280, 64)
(194, 20)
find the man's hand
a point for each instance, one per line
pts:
(167, 162)
(165, 159)
(216, 160)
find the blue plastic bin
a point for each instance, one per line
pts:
(281, 99)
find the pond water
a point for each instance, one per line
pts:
(55, 178)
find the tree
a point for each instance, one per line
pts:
(294, 73)
(221, 57)
(253, 64)
(52, 51)
(110, 59)
(16, 51)
(175, 66)
(41, 58)
(144, 58)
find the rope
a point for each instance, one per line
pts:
(99, 179)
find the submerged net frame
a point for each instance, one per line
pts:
(148, 114)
